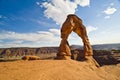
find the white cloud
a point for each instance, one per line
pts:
(55, 31)
(59, 9)
(40, 22)
(15, 42)
(107, 17)
(110, 10)
(90, 29)
(38, 37)
(83, 3)
(7, 45)
(38, 3)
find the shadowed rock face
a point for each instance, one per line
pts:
(73, 23)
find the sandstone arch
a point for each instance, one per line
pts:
(73, 23)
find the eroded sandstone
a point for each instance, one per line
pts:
(74, 23)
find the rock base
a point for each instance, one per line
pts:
(91, 60)
(63, 58)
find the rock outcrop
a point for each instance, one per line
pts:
(74, 23)
(103, 57)
(30, 57)
(21, 51)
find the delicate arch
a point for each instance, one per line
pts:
(74, 23)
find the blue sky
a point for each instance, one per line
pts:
(37, 23)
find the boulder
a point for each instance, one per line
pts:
(30, 57)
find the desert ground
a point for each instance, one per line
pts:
(57, 70)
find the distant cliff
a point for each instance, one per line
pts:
(104, 54)
(115, 46)
(20, 51)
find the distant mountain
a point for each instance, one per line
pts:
(76, 47)
(107, 46)
(100, 46)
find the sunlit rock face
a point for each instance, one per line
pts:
(73, 23)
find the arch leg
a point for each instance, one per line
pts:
(83, 34)
(88, 51)
(64, 50)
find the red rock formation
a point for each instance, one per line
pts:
(73, 23)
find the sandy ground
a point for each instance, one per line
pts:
(57, 70)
